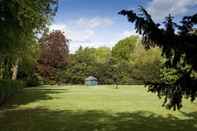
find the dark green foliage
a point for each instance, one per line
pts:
(8, 88)
(178, 45)
(33, 79)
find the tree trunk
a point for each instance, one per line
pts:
(6, 69)
(1, 71)
(15, 70)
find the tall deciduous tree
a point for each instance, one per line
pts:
(54, 54)
(124, 48)
(178, 45)
(20, 21)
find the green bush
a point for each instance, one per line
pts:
(33, 80)
(9, 88)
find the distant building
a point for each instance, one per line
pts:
(91, 81)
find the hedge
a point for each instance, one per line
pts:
(9, 88)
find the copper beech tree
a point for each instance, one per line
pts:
(54, 54)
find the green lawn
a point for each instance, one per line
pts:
(101, 108)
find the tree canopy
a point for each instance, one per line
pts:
(178, 44)
(20, 22)
(124, 48)
(22, 19)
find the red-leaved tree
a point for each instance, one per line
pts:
(54, 54)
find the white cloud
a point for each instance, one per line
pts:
(71, 33)
(94, 22)
(82, 31)
(88, 33)
(61, 27)
(84, 37)
(161, 8)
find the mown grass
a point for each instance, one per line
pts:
(100, 108)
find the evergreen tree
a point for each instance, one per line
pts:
(179, 48)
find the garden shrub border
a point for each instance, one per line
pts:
(9, 88)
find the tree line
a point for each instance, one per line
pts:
(126, 63)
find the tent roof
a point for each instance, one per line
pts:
(90, 78)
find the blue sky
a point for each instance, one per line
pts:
(95, 23)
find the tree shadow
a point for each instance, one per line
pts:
(47, 120)
(31, 95)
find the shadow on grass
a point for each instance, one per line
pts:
(29, 95)
(46, 120)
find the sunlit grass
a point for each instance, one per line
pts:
(99, 108)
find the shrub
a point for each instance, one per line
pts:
(9, 88)
(33, 80)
